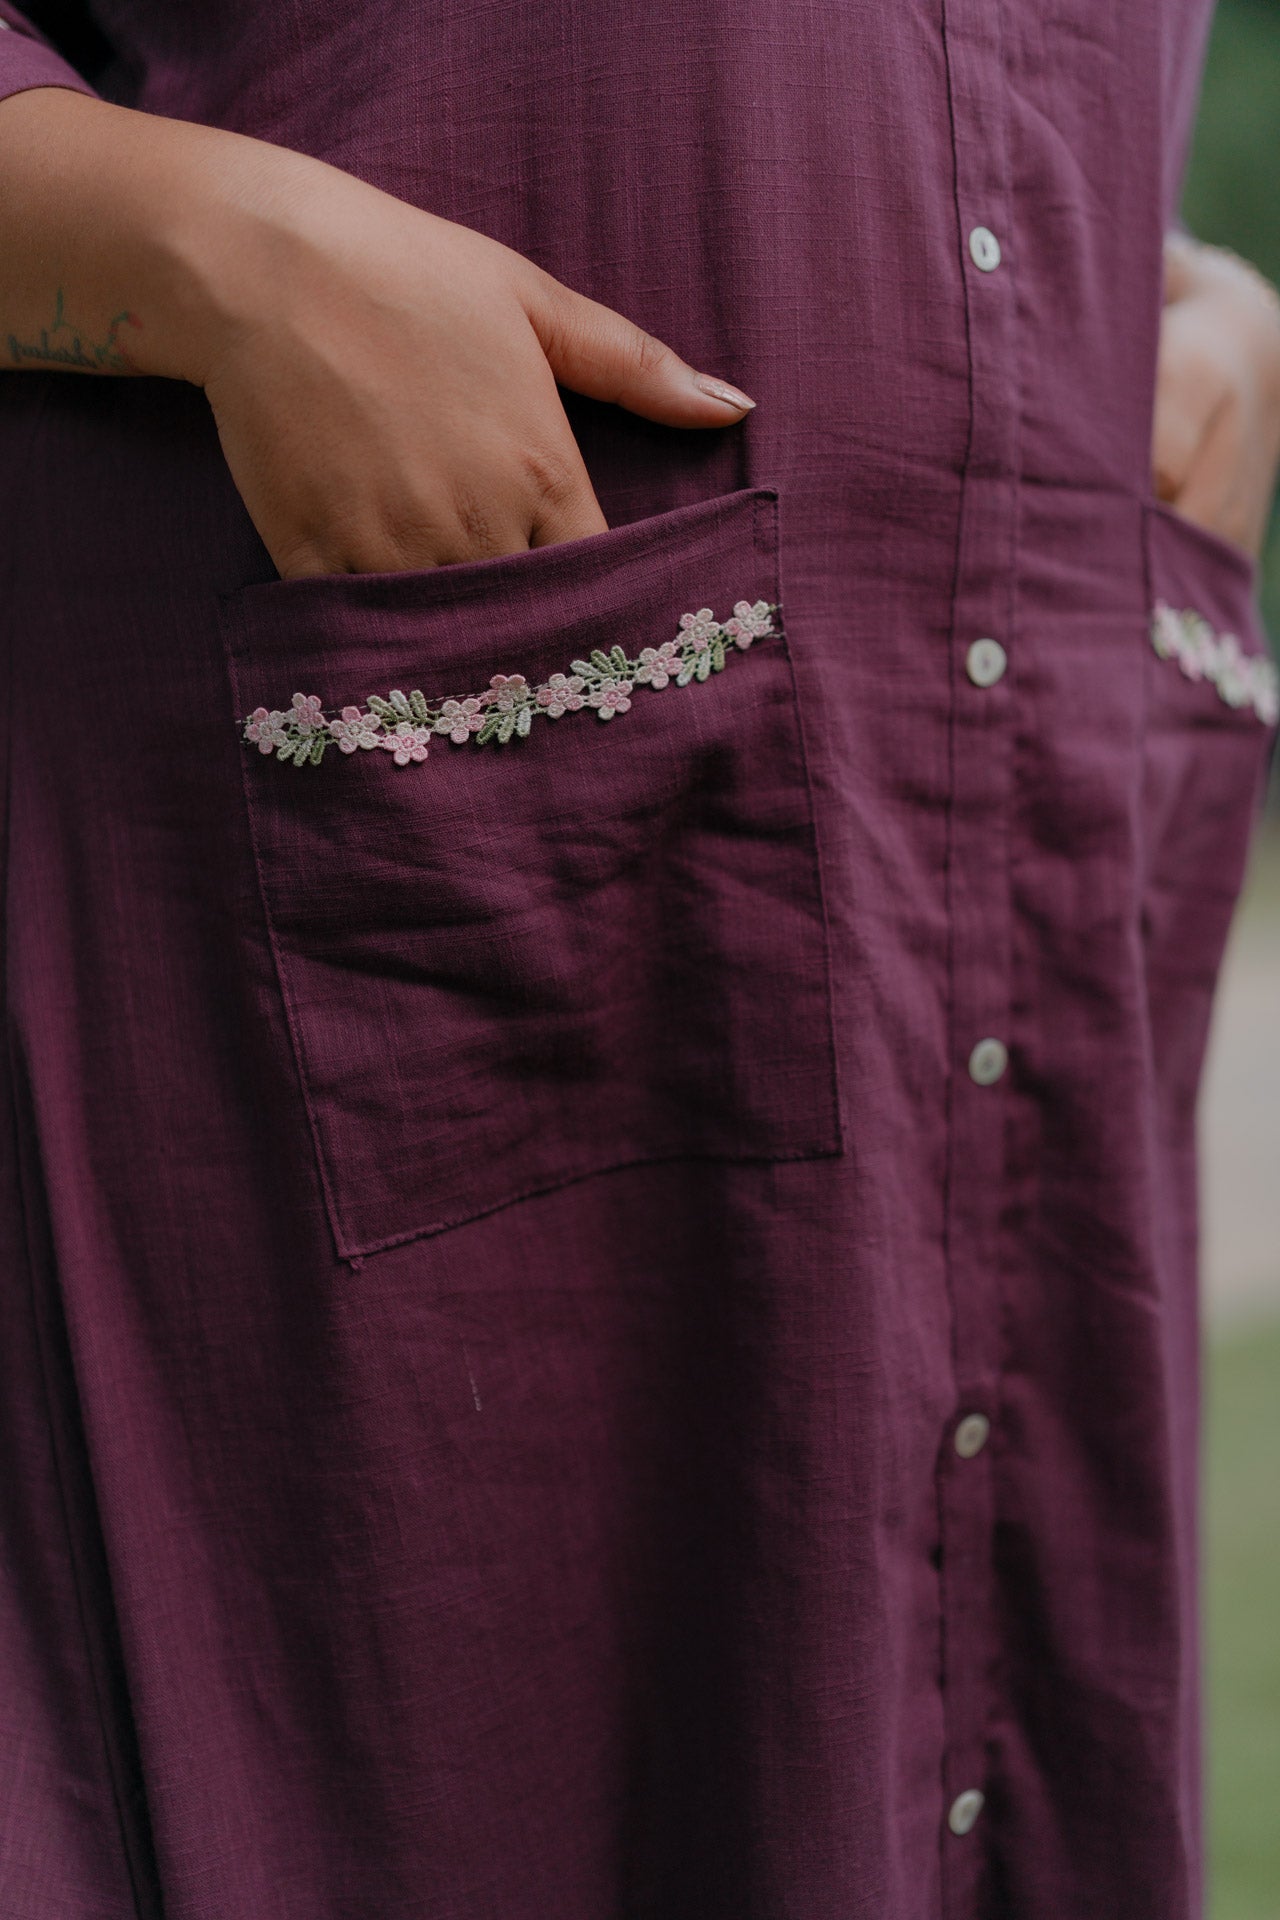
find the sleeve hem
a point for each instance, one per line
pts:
(26, 63)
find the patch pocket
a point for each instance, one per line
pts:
(1211, 709)
(1212, 698)
(1205, 621)
(520, 948)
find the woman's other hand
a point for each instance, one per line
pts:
(384, 382)
(1216, 440)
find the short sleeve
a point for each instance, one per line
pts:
(28, 60)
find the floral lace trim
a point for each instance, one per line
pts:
(1241, 679)
(403, 725)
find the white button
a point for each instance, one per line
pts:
(984, 249)
(965, 1809)
(985, 662)
(988, 1061)
(971, 1435)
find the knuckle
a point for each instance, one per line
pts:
(540, 287)
(306, 548)
(475, 521)
(554, 476)
(650, 353)
(552, 309)
(297, 560)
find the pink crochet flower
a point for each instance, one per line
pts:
(610, 697)
(659, 665)
(1198, 653)
(506, 692)
(1166, 633)
(562, 694)
(355, 729)
(1233, 671)
(459, 719)
(699, 628)
(749, 623)
(266, 729)
(406, 743)
(308, 714)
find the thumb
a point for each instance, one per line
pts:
(593, 350)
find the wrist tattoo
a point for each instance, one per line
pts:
(63, 345)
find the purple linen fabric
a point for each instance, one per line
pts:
(28, 59)
(505, 1256)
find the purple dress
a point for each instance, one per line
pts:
(601, 1320)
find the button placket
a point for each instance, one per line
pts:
(980, 908)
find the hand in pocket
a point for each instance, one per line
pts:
(384, 381)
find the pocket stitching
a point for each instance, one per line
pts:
(293, 1022)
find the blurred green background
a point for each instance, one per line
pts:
(1233, 197)
(1244, 1625)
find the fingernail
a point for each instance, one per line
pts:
(720, 390)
